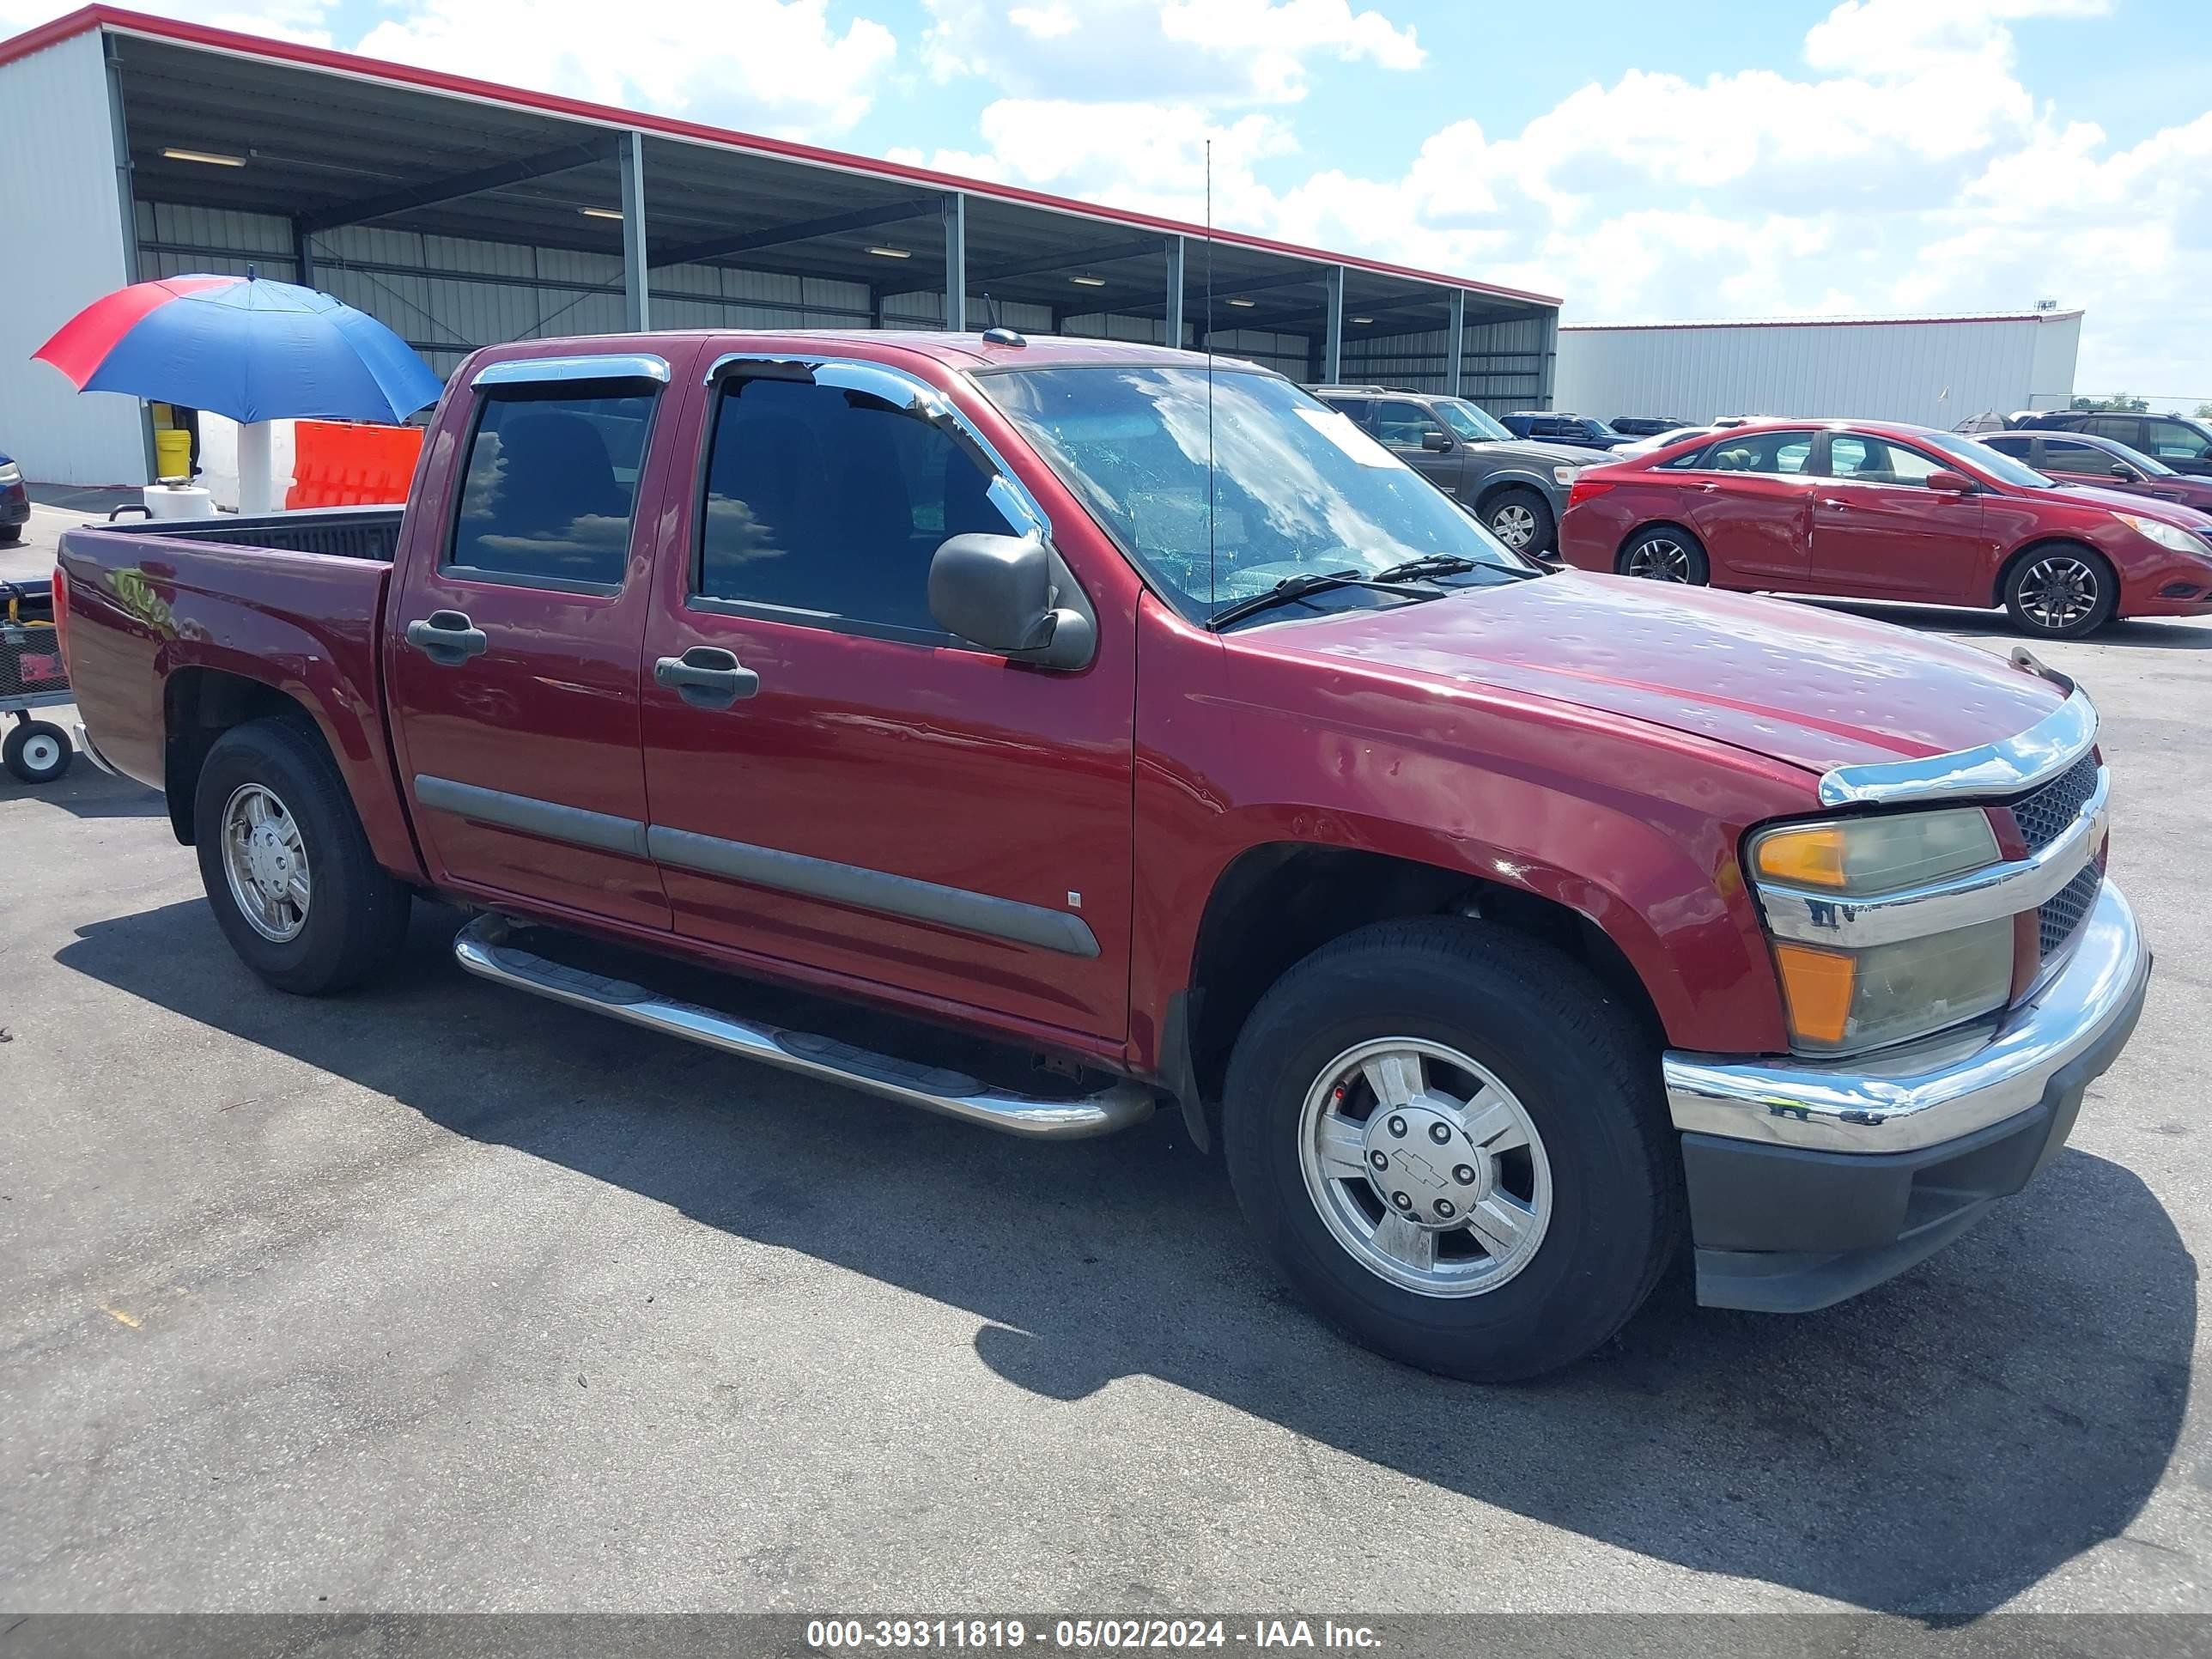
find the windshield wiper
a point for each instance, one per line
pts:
(1292, 588)
(1446, 564)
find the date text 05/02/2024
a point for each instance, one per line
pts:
(1085, 1635)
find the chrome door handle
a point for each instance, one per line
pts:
(1708, 488)
(1830, 501)
(706, 676)
(448, 638)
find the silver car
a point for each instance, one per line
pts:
(1516, 487)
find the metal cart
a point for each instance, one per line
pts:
(31, 676)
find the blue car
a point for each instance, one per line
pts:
(15, 504)
(1546, 425)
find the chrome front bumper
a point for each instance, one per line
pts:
(1926, 1093)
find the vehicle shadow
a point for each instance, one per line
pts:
(2174, 634)
(1934, 1447)
(86, 792)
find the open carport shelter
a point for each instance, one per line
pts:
(462, 213)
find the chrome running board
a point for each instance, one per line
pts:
(482, 948)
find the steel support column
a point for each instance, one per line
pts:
(1458, 342)
(303, 254)
(637, 302)
(1331, 359)
(126, 197)
(956, 263)
(1174, 294)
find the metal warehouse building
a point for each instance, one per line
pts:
(461, 214)
(1935, 371)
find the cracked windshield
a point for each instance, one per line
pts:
(1301, 505)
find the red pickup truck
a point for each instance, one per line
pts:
(1115, 728)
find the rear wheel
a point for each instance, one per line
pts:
(1453, 1144)
(286, 865)
(36, 752)
(1665, 554)
(1521, 518)
(10, 534)
(2062, 593)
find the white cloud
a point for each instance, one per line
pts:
(772, 65)
(1125, 51)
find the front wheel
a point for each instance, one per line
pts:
(2062, 593)
(1664, 554)
(36, 752)
(1521, 518)
(10, 534)
(1452, 1143)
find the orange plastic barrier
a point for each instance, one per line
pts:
(337, 465)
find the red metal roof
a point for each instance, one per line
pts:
(372, 69)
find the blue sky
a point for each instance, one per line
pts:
(1644, 160)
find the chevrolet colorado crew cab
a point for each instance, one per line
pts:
(1123, 729)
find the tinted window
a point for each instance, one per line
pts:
(1867, 460)
(2177, 439)
(2063, 455)
(2021, 448)
(1760, 452)
(1357, 410)
(831, 502)
(1401, 424)
(2125, 428)
(551, 481)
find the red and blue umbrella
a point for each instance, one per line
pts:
(240, 346)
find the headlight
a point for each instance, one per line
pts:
(2166, 535)
(1841, 1001)
(9, 474)
(1564, 475)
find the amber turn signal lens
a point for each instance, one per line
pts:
(1812, 857)
(1817, 986)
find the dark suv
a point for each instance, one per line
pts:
(1579, 430)
(2184, 444)
(1515, 488)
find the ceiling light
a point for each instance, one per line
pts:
(599, 213)
(1088, 282)
(1244, 305)
(1363, 320)
(206, 158)
(891, 252)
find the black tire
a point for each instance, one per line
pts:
(1665, 546)
(1583, 1071)
(2062, 592)
(356, 916)
(1525, 513)
(36, 752)
(10, 534)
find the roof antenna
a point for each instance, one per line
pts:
(1213, 583)
(999, 333)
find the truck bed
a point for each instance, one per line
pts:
(342, 533)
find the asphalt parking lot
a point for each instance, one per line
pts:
(439, 1297)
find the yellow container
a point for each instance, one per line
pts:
(173, 453)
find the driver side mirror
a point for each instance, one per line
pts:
(2124, 472)
(1439, 443)
(1955, 483)
(997, 591)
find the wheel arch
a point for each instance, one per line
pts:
(198, 705)
(2020, 556)
(1276, 904)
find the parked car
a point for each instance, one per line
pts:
(1648, 426)
(1517, 489)
(2083, 458)
(15, 502)
(2182, 443)
(1884, 511)
(1500, 926)
(1579, 430)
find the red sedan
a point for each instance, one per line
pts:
(1872, 510)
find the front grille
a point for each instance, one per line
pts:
(2050, 811)
(2062, 911)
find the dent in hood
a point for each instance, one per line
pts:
(1803, 684)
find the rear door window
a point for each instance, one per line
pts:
(1760, 452)
(2123, 429)
(1357, 410)
(550, 487)
(825, 504)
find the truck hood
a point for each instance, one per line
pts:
(1529, 453)
(1806, 686)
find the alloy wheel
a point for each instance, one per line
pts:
(2058, 593)
(1514, 525)
(1662, 559)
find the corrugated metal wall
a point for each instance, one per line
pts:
(1504, 366)
(1935, 373)
(62, 224)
